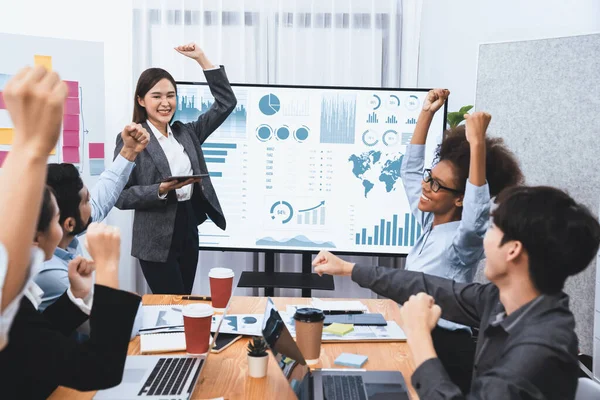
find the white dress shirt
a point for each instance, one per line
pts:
(179, 161)
(29, 290)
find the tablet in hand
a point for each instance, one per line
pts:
(184, 178)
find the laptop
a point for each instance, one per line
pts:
(159, 377)
(323, 384)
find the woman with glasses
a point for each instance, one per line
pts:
(451, 201)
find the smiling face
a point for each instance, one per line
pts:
(443, 201)
(160, 103)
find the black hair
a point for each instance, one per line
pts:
(66, 182)
(47, 211)
(561, 237)
(146, 81)
(501, 166)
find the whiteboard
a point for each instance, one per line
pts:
(81, 65)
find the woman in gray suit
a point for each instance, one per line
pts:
(167, 213)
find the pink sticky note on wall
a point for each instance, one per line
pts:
(72, 106)
(3, 155)
(2, 105)
(71, 138)
(71, 123)
(70, 154)
(97, 150)
(73, 87)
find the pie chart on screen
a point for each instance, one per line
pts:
(269, 104)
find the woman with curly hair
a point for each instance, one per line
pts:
(451, 201)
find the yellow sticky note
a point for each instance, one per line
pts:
(53, 152)
(45, 61)
(6, 135)
(339, 329)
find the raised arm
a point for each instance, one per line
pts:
(460, 302)
(134, 196)
(220, 88)
(433, 102)
(106, 192)
(467, 245)
(413, 161)
(34, 98)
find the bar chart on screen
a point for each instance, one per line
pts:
(395, 232)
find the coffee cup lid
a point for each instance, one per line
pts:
(309, 315)
(220, 273)
(198, 310)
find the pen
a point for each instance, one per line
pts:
(206, 298)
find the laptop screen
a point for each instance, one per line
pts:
(286, 352)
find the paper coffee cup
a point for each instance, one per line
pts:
(309, 329)
(197, 319)
(221, 286)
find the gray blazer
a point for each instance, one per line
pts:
(154, 218)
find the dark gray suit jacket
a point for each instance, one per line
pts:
(154, 218)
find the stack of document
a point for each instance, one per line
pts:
(335, 305)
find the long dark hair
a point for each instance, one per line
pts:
(147, 80)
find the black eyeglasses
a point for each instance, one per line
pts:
(434, 184)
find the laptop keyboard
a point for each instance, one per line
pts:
(169, 376)
(343, 387)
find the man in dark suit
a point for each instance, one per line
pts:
(40, 355)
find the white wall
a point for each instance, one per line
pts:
(107, 22)
(451, 32)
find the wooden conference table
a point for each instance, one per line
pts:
(225, 374)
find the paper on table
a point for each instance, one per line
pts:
(353, 305)
(242, 324)
(391, 332)
(162, 342)
(161, 316)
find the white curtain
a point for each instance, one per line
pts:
(296, 42)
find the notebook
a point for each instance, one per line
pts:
(162, 342)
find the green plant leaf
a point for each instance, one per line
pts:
(465, 109)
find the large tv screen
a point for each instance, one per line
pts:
(309, 168)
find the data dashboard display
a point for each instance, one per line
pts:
(304, 169)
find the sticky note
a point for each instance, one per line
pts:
(97, 150)
(351, 360)
(6, 135)
(71, 138)
(96, 167)
(72, 106)
(73, 88)
(2, 105)
(71, 122)
(4, 78)
(339, 329)
(53, 152)
(44, 61)
(70, 154)
(3, 155)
